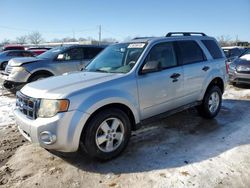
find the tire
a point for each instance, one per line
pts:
(38, 77)
(4, 64)
(97, 138)
(211, 103)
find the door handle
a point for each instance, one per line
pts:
(206, 68)
(175, 75)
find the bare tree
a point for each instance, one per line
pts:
(225, 40)
(5, 41)
(35, 38)
(22, 39)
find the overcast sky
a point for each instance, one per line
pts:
(120, 19)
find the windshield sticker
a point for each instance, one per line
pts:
(136, 45)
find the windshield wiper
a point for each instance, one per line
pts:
(100, 70)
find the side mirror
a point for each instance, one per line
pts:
(151, 66)
(60, 57)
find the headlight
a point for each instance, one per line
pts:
(232, 67)
(50, 107)
(16, 70)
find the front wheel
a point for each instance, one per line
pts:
(107, 134)
(211, 103)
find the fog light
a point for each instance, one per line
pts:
(47, 137)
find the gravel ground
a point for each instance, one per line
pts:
(183, 150)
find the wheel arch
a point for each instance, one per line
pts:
(217, 81)
(119, 106)
(40, 72)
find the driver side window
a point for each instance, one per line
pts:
(162, 56)
(74, 54)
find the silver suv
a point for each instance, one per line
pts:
(56, 61)
(125, 85)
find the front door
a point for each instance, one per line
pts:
(159, 90)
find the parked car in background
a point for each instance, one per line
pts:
(13, 47)
(123, 87)
(56, 61)
(38, 50)
(232, 52)
(7, 55)
(239, 69)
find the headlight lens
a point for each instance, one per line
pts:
(16, 70)
(50, 107)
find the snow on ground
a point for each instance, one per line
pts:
(239, 92)
(7, 105)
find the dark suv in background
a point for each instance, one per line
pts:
(56, 61)
(5, 56)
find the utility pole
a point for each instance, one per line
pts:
(100, 34)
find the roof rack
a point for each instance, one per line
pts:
(170, 34)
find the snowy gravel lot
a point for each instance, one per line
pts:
(183, 150)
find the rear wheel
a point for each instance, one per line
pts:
(211, 103)
(107, 134)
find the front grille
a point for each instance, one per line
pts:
(27, 105)
(243, 69)
(8, 69)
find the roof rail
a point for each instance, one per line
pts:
(170, 34)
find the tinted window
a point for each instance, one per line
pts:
(162, 53)
(190, 52)
(90, 53)
(74, 54)
(15, 54)
(13, 48)
(27, 54)
(213, 48)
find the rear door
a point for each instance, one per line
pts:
(159, 91)
(195, 67)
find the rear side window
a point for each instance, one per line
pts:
(90, 53)
(213, 48)
(190, 52)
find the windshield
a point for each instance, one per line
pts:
(118, 58)
(247, 52)
(52, 53)
(3, 54)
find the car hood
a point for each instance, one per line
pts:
(245, 57)
(22, 60)
(58, 87)
(242, 62)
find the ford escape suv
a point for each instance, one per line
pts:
(56, 61)
(124, 86)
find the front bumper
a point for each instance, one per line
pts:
(19, 76)
(65, 127)
(236, 77)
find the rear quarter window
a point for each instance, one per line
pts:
(213, 48)
(190, 52)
